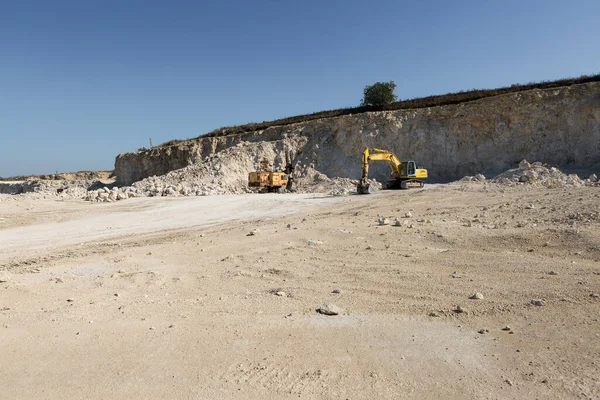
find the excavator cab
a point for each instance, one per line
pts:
(411, 167)
(408, 168)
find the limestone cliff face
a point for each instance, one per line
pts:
(557, 126)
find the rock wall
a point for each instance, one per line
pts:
(557, 126)
(17, 187)
(64, 188)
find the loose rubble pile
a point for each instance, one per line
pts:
(65, 189)
(476, 178)
(225, 172)
(108, 195)
(166, 186)
(537, 174)
(312, 181)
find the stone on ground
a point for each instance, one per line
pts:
(329, 309)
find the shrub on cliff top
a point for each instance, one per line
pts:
(379, 94)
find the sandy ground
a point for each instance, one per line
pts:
(76, 222)
(169, 298)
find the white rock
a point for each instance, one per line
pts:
(329, 309)
(92, 196)
(524, 165)
(383, 221)
(4, 277)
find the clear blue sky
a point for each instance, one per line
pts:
(81, 81)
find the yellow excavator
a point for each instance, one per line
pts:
(405, 174)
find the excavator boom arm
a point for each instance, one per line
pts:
(383, 155)
(379, 155)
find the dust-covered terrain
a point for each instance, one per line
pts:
(475, 289)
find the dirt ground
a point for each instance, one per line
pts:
(160, 298)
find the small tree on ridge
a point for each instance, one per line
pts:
(379, 94)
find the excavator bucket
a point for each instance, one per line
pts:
(365, 189)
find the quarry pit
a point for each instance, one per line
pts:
(171, 280)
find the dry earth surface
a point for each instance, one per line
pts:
(157, 298)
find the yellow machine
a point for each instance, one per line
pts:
(271, 181)
(405, 174)
(267, 179)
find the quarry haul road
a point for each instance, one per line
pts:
(86, 222)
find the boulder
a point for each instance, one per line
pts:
(524, 165)
(329, 309)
